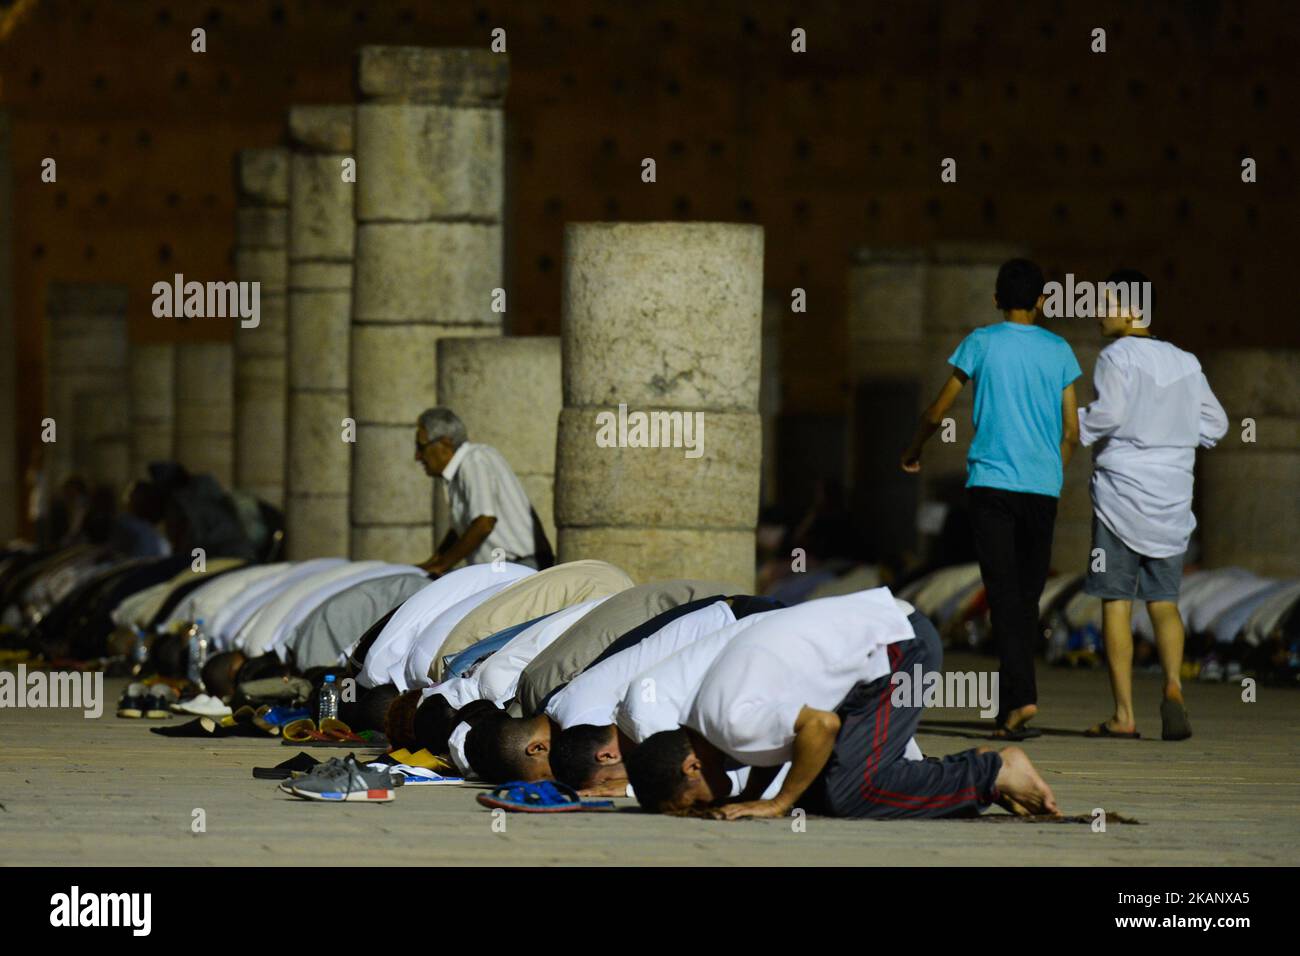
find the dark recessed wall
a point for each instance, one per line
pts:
(1093, 160)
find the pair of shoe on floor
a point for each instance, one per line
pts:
(331, 732)
(342, 781)
(140, 700)
(1174, 725)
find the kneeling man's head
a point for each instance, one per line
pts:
(503, 749)
(587, 755)
(668, 776)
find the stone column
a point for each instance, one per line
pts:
(321, 247)
(1247, 490)
(262, 188)
(430, 140)
(507, 392)
(102, 446)
(204, 408)
(886, 312)
(775, 308)
(959, 287)
(85, 351)
(10, 484)
(661, 318)
(887, 287)
(153, 404)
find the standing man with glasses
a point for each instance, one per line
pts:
(491, 517)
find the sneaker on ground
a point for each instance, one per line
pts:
(203, 706)
(159, 702)
(134, 702)
(343, 781)
(1211, 670)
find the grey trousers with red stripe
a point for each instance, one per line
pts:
(867, 777)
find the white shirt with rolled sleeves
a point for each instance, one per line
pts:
(1154, 408)
(593, 696)
(387, 656)
(480, 482)
(810, 655)
(497, 677)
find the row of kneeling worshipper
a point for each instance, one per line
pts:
(685, 694)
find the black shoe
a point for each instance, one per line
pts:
(134, 702)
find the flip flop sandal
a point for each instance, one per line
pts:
(198, 727)
(285, 770)
(1102, 730)
(429, 761)
(1020, 733)
(545, 796)
(1174, 724)
(335, 729)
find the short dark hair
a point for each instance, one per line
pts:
(372, 707)
(435, 719)
(1020, 283)
(263, 666)
(655, 768)
(170, 655)
(573, 753)
(1130, 276)
(220, 671)
(493, 747)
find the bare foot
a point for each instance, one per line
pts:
(1016, 719)
(1022, 790)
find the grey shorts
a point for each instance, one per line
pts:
(1130, 575)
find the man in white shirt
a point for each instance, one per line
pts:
(521, 748)
(1154, 408)
(811, 687)
(491, 517)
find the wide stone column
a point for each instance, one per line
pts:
(102, 444)
(153, 404)
(960, 281)
(886, 313)
(85, 352)
(204, 408)
(775, 308)
(321, 249)
(507, 392)
(430, 150)
(1247, 490)
(661, 318)
(262, 187)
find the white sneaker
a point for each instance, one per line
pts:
(203, 706)
(1211, 670)
(1234, 671)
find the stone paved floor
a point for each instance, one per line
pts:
(102, 792)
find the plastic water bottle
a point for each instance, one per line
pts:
(198, 645)
(329, 700)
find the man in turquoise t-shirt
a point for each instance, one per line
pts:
(1026, 427)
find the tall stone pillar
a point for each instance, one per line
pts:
(1248, 485)
(960, 283)
(10, 488)
(887, 361)
(321, 248)
(153, 404)
(430, 141)
(775, 307)
(85, 351)
(262, 187)
(204, 408)
(507, 392)
(661, 319)
(102, 444)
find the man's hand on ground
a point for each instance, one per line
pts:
(750, 809)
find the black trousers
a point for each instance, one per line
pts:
(1013, 538)
(867, 776)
